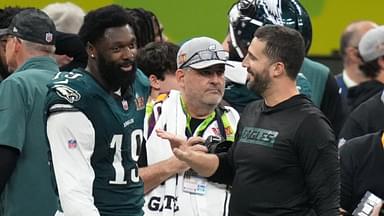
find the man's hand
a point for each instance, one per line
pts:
(183, 149)
(192, 152)
(174, 140)
(376, 209)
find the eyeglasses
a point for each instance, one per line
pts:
(209, 71)
(205, 55)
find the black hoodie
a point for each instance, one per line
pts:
(283, 162)
(358, 94)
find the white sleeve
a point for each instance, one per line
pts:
(72, 140)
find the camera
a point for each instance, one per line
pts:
(217, 144)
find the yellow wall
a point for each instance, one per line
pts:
(335, 15)
(183, 19)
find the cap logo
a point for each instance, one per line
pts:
(212, 47)
(48, 37)
(14, 29)
(182, 58)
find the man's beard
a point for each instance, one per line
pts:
(260, 83)
(114, 76)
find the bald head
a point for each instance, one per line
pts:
(353, 33)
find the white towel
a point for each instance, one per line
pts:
(170, 197)
(159, 149)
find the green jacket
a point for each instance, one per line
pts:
(22, 96)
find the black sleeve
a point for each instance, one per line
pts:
(333, 105)
(143, 162)
(8, 159)
(226, 171)
(318, 155)
(351, 128)
(347, 167)
(223, 174)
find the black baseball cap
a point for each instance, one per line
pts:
(3, 31)
(33, 25)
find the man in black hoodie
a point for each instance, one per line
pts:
(371, 50)
(284, 160)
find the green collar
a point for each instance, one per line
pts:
(41, 63)
(229, 132)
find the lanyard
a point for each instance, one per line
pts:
(222, 122)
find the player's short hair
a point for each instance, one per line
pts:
(97, 21)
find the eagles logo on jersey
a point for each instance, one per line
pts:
(68, 93)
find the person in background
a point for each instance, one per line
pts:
(367, 117)
(158, 28)
(67, 16)
(25, 180)
(158, 62)
(146, 26)
(349, 42)
(70, 51)
(361, 162)
(372, 65)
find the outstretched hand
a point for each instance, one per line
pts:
(178, 141)
(174, 140)
(182, 148)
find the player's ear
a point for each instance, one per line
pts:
(91, 50)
